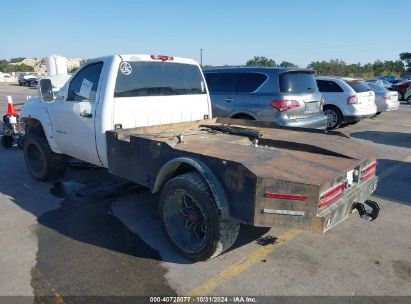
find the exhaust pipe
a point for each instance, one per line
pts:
(367, 215)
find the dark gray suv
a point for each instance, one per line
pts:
(286, 96)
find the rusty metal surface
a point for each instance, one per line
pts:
(270, 158)
(288, 160)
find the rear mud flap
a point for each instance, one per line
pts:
(367, 215)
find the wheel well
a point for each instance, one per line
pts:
(243, 116)
(171, 171)
(183, 165)
(183, 168)
(33, 125)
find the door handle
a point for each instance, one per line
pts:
(86, 114)
(228, 99)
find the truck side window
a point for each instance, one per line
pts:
(84, 85)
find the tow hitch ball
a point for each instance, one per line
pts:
(367, 215)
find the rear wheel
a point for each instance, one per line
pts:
(334, 117)
(192, 220)
(42, 163)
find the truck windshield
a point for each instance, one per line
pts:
(144, 78)
(298, 82)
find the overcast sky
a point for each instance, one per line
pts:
(230, 32)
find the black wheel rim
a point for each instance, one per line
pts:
(332, 118)
(185, 221)
(35, 160)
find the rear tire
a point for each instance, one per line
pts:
(7, 141)
(334, 116)
(42, 163)
(192, 220)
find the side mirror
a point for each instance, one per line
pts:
(46, 90)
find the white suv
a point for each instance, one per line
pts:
(346, 100)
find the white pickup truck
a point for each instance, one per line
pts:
(147, 118)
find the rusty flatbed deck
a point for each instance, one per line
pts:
(287, 160)
(289, 154)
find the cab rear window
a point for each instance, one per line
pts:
(143, 78)
(359, 86)
(297, 82)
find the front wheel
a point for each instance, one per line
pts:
(409, 100)
(192, 220)
(42, 163)
(334, 117)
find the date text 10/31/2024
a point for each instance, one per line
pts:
(203, 299)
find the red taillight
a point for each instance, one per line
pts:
(352, 99)
(331, 195)
(285, 105)
(286, 196)
(369, 171)
(161, 57)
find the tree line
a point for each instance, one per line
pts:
(8, 67)
(339, 67)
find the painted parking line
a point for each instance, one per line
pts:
(43, 288)
(394, 168)
(237, 268)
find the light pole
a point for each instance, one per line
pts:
(201, 57)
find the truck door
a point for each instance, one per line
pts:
(74, 114)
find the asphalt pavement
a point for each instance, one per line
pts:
(93, 234)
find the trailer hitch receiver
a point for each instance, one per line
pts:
(367, 215)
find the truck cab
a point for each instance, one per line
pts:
(119, 91)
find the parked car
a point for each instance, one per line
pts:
(346, 100)
(381, 82)
(401, 88)
(384, 99)
(286, 96)
(407, 95)
(27, 80)
(4, 75)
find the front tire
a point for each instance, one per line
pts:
(334, 117)
(42, 163)
(409, 100)
(192, 220)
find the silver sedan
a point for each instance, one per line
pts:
(384, 99)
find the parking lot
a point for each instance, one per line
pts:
(93, 234)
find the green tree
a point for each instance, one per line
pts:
(333, 67)
(286, 64)
(6, 67)
(261, 61)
